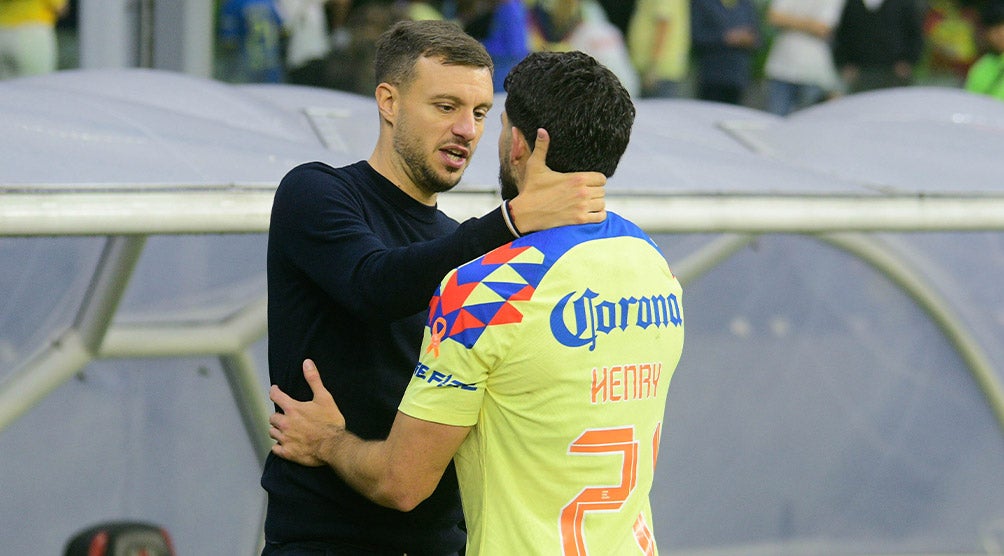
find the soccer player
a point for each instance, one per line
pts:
(545, 364)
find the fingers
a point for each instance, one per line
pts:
(282, 450)
(597, 181)
(280, 398)
(276, 434)
(313, 377)
(594, 205)
(277, 420)
(539, 155)
(596, 217)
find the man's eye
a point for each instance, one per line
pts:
(480, 115)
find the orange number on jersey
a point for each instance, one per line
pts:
(609, 499)
(595, 499)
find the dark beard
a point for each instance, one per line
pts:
(428, 180)
(507, 184)
(423, 174)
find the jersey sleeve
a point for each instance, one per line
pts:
(472, 324)
(449, 381)
(448, 388)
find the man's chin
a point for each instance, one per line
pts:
(446, 182)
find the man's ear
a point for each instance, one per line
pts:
(520, 150)
(387, 98)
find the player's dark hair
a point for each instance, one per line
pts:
(581, 104)
(400, 47)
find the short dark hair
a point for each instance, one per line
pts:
(405, 42)
(582, 105)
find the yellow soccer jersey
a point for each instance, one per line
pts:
(558, 349)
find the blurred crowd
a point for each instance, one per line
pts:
(778, 55)
(28, 43)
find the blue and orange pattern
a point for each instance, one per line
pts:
(481, 294)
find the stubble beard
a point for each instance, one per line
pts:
(507, 181)
(426, 178)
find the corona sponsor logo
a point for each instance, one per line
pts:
(580, 321)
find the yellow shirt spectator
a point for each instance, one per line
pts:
(659, 41)
(28, 36)
(20, 12)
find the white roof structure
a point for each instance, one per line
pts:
(841, 385)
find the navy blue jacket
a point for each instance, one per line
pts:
(880, 38)
(717, 62)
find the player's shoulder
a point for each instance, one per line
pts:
(556, 241)
(618, 225)
(319, 178)
(535, 253)
(316, 170)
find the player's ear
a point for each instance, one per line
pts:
(520, 150)
(387, 99)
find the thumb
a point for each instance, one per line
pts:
(313, 377)
(538, 157)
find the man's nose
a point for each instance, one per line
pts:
(466, 126)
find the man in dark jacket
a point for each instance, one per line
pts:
(878, 42)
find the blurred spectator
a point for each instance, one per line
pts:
(949, 41)
(620, 12)
(350, 64)
(725, 37)
(659, 42)
(800, 70)
(500, 25)
(251, 37)
(599, 38)
(419, 10)
(987, 74)
(551, 22)
(878, 43)
(338, 14)
(560, 25)
(308, 43)
(28, 44)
